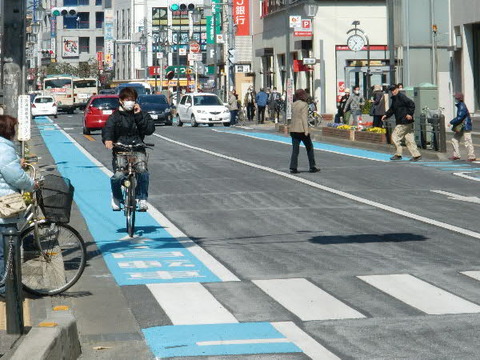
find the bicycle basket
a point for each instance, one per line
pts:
(55, 198)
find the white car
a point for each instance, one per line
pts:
(202, 108)
(44, 106)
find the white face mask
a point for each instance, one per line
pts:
(128, 105)
(356, 92)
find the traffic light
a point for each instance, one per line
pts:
(231, 56)
(170, 75)
(182, 7)
(64, 12)
(47, 53)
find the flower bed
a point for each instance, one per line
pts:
(338, 133)
(372, 137)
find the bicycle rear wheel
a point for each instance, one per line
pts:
(55, 262)
(130, 206)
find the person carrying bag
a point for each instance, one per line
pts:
(13, 179)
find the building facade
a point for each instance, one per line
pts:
(336, 65)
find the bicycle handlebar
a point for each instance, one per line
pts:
(133, 146)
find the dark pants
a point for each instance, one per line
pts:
(261, 114)
(143, 177)
(307, 141)
(377, 121)
(233, 117)
(250, 111)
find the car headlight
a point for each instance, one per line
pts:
(201, 111)
(168, 110)
(226, 111)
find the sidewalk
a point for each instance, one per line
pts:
(50, 328)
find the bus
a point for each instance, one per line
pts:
(61, 88)
(83, 89)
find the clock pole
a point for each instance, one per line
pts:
(353, 42)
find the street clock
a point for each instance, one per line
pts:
(356, 42)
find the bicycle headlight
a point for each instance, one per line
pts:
(126, 183)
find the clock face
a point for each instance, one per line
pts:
(356, 42)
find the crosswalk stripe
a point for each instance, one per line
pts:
(473, 274)
(306, 300)
(420, 294)
(307, 344)
(190, 304)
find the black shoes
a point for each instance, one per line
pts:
(416, 158)
(396, 157)
(314, 170)
(293, 171)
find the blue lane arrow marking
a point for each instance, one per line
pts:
(342, 150)
(217, 339)
(157, 257)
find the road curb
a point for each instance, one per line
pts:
(52, 339)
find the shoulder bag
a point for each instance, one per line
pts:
(459, 127)
(11, 205)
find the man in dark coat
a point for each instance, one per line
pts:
(128, 125)
(403, 108)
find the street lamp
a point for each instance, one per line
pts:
(143, 44)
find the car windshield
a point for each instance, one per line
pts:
(43, 100)
(138, 88)
(105, 103)
(204, 100)
(152, 99)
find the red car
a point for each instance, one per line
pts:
(97, 111)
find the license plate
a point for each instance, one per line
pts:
(154, 116)
(107, 112)
(83, 96)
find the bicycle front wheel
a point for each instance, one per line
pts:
(130, 206)
(53, 260)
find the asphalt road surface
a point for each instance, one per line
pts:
(368, 259)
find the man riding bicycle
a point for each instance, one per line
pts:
(129, 126)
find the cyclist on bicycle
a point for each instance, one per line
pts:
(129, 126)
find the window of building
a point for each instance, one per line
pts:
(84, 44)
(75, 2)
(99, 20)
(98, 2)
(99, 44)
(83, 20)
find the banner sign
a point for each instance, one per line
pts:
(241, 17)
(70, 46)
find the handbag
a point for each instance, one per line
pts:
(459, 127)
(11, 205)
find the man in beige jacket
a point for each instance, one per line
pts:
(299, 132)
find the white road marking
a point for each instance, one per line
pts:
(306, 300)
(466, 175)
(472, 199)
(208, 260)
(243, 342)
(420, 294)
(306, 343)
(473, 274)
(344, 194)
(190, 304)
(286, 143)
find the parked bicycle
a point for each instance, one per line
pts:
(130, 164)
(53, 254)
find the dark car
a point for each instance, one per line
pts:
(158, 108)
(97, 111)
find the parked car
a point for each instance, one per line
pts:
(44, 106)
(97, 111)
(202, 108)
(158, 108)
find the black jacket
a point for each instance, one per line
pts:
(401, 107)
(128, 128)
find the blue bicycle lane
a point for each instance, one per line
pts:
(155, 256)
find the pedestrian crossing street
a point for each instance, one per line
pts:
(205, 323)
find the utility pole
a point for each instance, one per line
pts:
(13, 53)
